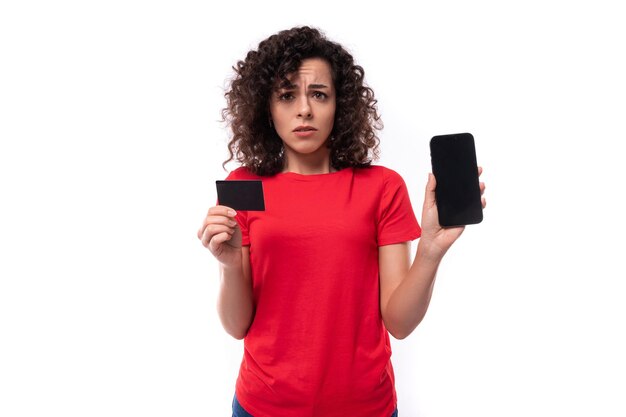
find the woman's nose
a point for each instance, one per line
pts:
(305, 109)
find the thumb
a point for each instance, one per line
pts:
(429, 197)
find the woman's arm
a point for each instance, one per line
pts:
(221, 234)
(235, 304)
(405, 288)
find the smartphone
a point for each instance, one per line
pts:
(453, 159)
(244, 195)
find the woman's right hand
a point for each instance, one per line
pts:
(220, 233)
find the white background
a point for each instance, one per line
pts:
(111, 143)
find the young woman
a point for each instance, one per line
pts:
(316, 282)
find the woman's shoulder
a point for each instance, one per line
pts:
(242, 173)
(379, 171)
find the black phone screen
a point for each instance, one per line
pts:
(453, 159)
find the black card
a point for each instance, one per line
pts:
(241, 194)
(453, 160)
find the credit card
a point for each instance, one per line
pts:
(244, 195)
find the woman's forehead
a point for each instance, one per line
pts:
(311, 71)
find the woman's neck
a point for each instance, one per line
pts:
(308, 166)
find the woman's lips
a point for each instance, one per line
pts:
(304, 131)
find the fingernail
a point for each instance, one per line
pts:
(232, 213)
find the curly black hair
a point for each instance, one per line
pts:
(256, 145)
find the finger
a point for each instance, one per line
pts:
(227, 221)
(483, 202)
(222, 211)
(431, 184)
(214, 219)
(480, 171)
(211, 241)
(429, 196)
(217, 240)
(213, 230)
(482, 188)
(213, 211)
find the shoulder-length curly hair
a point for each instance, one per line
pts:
(255, 143)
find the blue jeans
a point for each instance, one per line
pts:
(238, 410)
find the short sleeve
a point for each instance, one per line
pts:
(396, 221)
(242, 216)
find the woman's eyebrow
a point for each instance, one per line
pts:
(318, 86)
(290, 86)
(310, 86)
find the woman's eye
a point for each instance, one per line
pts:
(285, 97)
(319, 95)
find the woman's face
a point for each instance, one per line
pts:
(303, 113)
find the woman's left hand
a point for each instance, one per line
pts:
(436, 238)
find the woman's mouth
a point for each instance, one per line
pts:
(304, 131)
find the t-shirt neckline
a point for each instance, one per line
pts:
(311, 177)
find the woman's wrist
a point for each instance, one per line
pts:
(231, 268)
(429, 251)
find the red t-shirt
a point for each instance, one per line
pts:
(317, 346)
